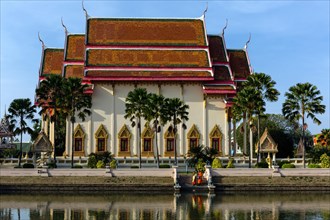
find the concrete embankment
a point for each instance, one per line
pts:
(160, 181)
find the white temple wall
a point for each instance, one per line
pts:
(109, 109)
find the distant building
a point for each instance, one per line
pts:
(173, 57)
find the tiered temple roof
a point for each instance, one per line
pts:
(131, 49)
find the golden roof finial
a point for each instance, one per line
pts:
(42, 42)
(65, 29)
(86, 14)
(207, 6)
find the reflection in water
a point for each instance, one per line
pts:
(159, 206)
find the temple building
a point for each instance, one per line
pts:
(173, 57)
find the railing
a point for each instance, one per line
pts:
(147, 162)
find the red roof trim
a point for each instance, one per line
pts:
(216, 91)
(217, 82)
(73, 62)
(148, 78)
(130, 68)
(91, 46)
(220, 63)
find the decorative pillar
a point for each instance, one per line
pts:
(90, 148)
(113, 136)
(226, 132)
(205, 136)
(229, 132)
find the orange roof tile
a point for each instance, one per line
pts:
(74, 71)
(75, 48)
(144, 74)
(222, 73)
(239, 63)
(180, 32)
(52, 61)
(216, 47)
(147, 58)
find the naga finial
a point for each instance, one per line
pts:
(83, 7)
(65, 29)
(224, 28)
(42, 42)
(207, 6)
(247, 42)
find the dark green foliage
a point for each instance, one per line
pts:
(230, 163)
(262, 164)
(206, 154)
(325, 161)
(281, 163)
(134, 167)
(164, 166)
(313, 165)
(77, 166)
(315, 153)
(28, 165)
(200, 165)
(7, 153)
(52, 165)
(288, 165)
(93, 158)
(216, 163)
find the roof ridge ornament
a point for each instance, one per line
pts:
(207, 6)
(224, 28)
(42, 42)
(247, 42)
(83, 7)
(65, 29)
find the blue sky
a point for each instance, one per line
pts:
(290, 39)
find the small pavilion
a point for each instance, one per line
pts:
(267, 146)
(42, 144)
(6, 136)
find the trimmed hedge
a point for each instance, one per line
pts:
(77, 166)
(164, 166)
(288, 165)
(313, 165)
(262, 164)
(231, 163)
(216, 163)
(100, 164)
(28, 165)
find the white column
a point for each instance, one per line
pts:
(205, 138)
(113, 135)
(90, 146)
(225, 132)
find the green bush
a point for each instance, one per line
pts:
(77, 166)
(288, 165)
(91, 163)
(113, 164)
(200, 166)
(325, 161)
(100, 164)
(164, 166)
(134, 167)
(281, 163)
(216, 163)
(28, 165)
(262, 164)
(231, 163)
(313, 165)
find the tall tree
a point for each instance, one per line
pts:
(136, 103)
(49, 97)
(21, 110)
(176, 113)
(264, 84)
(155, 113)
(75, 103)
(303, 100)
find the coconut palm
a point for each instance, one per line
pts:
(75, 103)
(155, 113)
(49, 97)
(175, 113)
(136, 103)
(303, 100)
(21, 110)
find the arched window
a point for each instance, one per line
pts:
(193, 137)
(216, 139)
(79, 141)
(101, 139)
(124, 139)
(169, 143)
(147, 141)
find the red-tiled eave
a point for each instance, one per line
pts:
(218, 82)
(146, 47)
(148, 78)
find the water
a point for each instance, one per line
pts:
(268, 206)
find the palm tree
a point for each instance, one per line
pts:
(155, 113)
(176, 113)
(21, 110)
(302, 100)
(136, 102)
(49, 97)
(264, 84)
(249, 101)
(76, 103)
